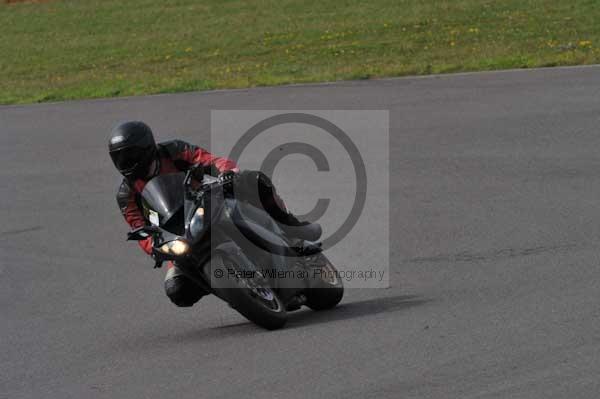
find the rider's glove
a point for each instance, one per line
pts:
(226, 175)
(197, 172)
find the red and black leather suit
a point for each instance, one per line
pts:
(175, 156)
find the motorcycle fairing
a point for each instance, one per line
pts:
(164, 196)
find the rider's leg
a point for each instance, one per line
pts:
(259, 190)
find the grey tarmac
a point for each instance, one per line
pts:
(495, 254)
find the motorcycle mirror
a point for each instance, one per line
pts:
(141, 233)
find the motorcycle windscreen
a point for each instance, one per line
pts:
(164, 195)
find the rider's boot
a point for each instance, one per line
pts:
(295, 228)
(275, 206)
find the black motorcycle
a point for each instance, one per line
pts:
(233, 249)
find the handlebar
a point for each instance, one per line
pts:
(225, 179)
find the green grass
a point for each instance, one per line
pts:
(60, 50)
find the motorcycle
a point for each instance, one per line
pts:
(234, 250)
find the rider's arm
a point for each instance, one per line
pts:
(132, 213)
(192, 155)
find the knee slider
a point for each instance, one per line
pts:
(182, 292)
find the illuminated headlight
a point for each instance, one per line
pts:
(177, 247)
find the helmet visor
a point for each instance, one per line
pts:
(127, 159)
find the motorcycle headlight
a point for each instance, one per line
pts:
(176, 247)
(179, 247)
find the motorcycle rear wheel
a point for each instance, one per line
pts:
(327, 289)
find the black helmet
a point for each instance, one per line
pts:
(132, 149)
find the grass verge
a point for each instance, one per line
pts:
(61, 50)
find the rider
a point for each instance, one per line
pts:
(138, 158)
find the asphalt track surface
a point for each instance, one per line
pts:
(495, 254)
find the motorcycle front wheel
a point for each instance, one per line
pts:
(246, 292)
